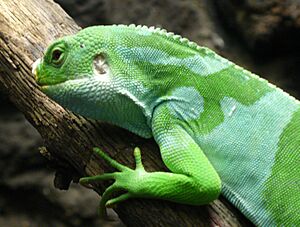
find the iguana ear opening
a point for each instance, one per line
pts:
(101, 67)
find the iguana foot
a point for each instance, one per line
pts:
(126, 180)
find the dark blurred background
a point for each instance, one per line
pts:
(260, 35)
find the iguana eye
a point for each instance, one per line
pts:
(57, 56)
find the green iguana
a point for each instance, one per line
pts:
(220, 128)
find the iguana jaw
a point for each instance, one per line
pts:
(35, 71)
(42, 79)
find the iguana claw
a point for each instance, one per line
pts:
(124, 180)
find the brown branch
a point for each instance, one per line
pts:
(27, 27)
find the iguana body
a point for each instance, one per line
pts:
(215, 123)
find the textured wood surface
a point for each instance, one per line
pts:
(27, 27)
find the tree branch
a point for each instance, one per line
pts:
(27, 28)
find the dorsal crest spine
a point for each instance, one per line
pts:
(177, 38)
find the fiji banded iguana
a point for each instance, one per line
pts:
(220, 128)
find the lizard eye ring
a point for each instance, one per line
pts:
(57, 56)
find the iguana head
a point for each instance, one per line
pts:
(68, 58)
(75, 71)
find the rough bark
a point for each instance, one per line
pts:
(27, 27)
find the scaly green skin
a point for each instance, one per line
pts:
(213, 121)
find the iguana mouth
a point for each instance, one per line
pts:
(39, 77)
(35, 71)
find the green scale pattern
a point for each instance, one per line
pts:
(212, 119)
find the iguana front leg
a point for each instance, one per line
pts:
(123, 180)
(193, 179)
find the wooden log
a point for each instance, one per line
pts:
(27, 28)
